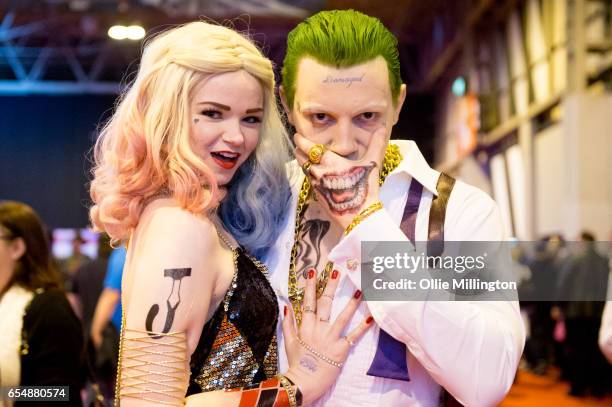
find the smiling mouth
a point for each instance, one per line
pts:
(347, 191)
(225, 159)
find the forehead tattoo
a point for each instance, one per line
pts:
(342, 80)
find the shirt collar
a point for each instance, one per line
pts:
(414, 165)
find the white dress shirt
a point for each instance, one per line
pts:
(470, 348)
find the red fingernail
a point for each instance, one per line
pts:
(334, 274)
(357, 294)
(311, 273)
(369, 319)
(285, 311)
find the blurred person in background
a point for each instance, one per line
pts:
(585, 278)
(87, 286)
(41, 342)
(106, 323)
(70, 265)
(88, 283)
(545, 269)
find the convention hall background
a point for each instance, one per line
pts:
(513, 96)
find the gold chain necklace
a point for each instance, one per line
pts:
(296, 295)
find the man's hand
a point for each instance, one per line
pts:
(346, 186)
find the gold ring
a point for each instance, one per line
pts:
(316, 153)
(348, 340)
(306, 168)
(324, 319)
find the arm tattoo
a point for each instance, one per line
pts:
(309, 244)
(173, 297)
(346, 192)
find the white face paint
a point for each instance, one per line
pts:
(342, 108)
(227, 111)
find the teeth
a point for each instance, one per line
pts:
(228, 155)
(355, 202)
(345, 182)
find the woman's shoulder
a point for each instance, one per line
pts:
(49, 306)
(165, 219)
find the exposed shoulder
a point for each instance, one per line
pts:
(164, 220)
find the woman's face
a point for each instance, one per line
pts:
(226, 115)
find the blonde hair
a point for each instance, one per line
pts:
(145, 147)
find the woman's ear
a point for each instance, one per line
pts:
(17, 249)
(283, 99)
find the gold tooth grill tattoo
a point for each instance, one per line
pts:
(346, 192)
(172, 302)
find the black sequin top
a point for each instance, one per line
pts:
(238, 345)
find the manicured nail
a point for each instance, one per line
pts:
(311, 273)
(357, 294)
(368, 320)
(334, 274)
(285, 311)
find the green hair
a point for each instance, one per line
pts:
(340, 38)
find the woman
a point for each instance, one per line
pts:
(197, 138)
(41, 342)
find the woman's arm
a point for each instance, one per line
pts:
(109, 298)
(168, 287)
(169, 284)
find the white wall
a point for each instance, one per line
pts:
(550, 180)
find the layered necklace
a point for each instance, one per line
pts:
(296, 295)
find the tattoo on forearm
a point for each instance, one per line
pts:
(172, 302)
(309, 363)
(347, 191)
(309, 244)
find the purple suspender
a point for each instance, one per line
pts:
(390, 359)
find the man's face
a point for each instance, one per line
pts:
(342, 108)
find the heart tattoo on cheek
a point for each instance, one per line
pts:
(347, 191)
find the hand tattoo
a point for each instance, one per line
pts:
(309, 244)
(346, 192)
(175, 274)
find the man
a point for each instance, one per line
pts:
(343, 93)
(586, 282)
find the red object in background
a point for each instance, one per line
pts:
(468, 124)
